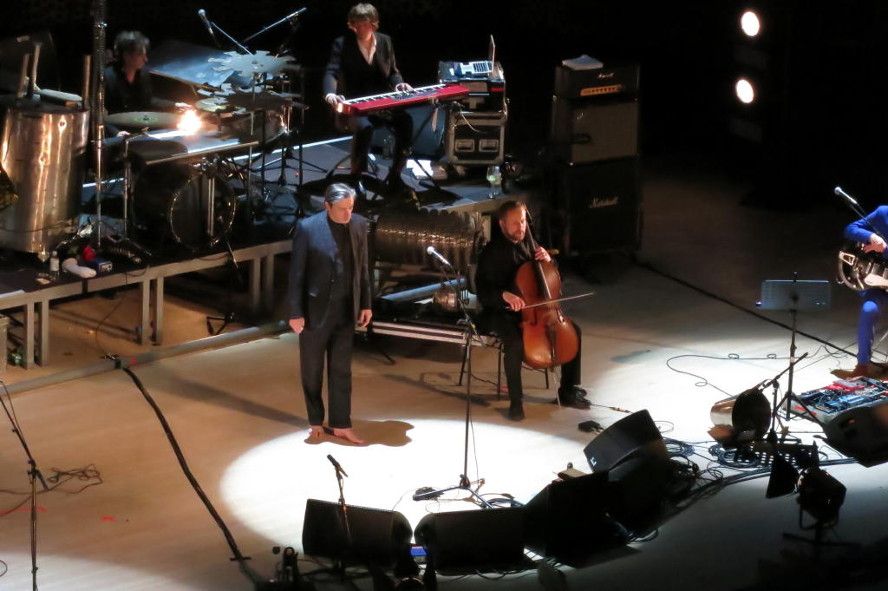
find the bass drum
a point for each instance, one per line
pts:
(185, 205)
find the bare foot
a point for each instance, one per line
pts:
(315, 434)
(349, 435)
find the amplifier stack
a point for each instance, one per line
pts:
(594, 134)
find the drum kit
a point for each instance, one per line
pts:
(181, 187)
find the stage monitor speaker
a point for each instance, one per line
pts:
(568, 519)
(861, 433)
(635, 435)
(463, 541)
(378, 537)
(602, 206)
(592, 131)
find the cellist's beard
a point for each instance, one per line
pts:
(516, 237)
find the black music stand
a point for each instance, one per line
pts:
(794, 295)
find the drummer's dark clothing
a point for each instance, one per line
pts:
(498, 264)
(349, 74)
(123, 96)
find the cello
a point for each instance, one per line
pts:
(549, 336)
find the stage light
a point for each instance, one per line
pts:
(750, 23)
(821, 495)
(745, 91)
(189, 122)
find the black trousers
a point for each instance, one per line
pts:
(507, 326)
(401, 124)
(332, 341)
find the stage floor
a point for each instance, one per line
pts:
(239, 417)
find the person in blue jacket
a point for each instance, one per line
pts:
(870, 232)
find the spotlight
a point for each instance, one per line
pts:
(750, 23)
(821, 495)
(745, 91)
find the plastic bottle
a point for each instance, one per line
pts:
(54, 265)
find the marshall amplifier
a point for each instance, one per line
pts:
(574, 84)
(589, 131)
(601, 204)
(475, 138)
(487, 89)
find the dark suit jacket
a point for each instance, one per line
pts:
(497, 265)
(312, 267)
(348, 73)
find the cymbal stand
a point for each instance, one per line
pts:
(471, 334)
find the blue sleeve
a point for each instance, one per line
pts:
(860, 230)
(298, 259)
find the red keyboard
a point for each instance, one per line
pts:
(399, 100)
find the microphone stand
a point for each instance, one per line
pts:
(343, 510)
(471, 332)
(233, 41)
(34, 475)
(289, 17)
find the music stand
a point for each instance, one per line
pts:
(794, 295)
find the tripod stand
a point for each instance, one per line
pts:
(471, 333)
(34, 475)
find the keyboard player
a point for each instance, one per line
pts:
(361, 64)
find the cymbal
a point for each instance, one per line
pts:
(213, 104)
(140, 119)
(254, 64)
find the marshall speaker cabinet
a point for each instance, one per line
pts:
(601, 203)
(594, 135)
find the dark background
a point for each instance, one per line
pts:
(823, 99)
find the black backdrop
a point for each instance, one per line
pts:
(836, 75)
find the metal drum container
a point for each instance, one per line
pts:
(43, 152)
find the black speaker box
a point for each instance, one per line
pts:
(378, 537)
(861, 433)
(629, 437)
(602, 206)
(595, 130)
(568, 519)
(459, 541)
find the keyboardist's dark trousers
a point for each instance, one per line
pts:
(330, 342)
(401, 124)
(507, 327)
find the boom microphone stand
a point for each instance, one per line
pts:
(471, 332)
(34, 475)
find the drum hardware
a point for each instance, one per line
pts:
(258, 64)
(187, 204)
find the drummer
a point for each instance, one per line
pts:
(127, 86)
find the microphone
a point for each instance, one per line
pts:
(203, 18)
(336, 465)
(438, 256)
(841, 193)
(296, 14)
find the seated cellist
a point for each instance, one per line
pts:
(498, 263)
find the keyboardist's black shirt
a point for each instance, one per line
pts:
(349, 74)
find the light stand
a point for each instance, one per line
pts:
(34, 475)
(471, 333)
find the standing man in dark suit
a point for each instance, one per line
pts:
(364, 64)
(329, 292)
(498, 264)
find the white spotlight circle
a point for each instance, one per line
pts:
(745, 91)
(750, 23)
